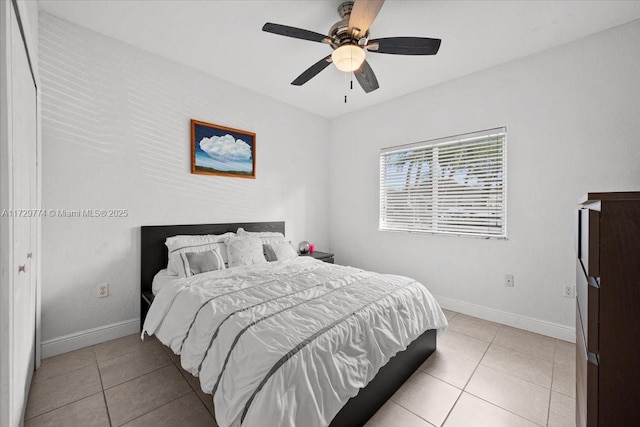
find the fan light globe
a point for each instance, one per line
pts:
(348, 57)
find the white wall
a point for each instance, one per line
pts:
(572, 117)
(116, 135)
(115, 126)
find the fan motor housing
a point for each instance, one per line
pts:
(339, 31)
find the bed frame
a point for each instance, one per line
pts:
(358, 410)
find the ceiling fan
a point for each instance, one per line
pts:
(349, 39)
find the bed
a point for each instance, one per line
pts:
(186, 335)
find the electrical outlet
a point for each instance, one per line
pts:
(103, 290)
(508, 280)
(568, 291)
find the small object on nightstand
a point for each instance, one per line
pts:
(322, 256)
(312, 248)
(303, 247)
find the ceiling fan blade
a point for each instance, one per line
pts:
(297, 33)
(366, 77)
(362, 15)
(405, 45)
(312, 71)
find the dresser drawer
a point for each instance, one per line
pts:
(581, 374)
(588, 300)
(587, 371)
(589, 241)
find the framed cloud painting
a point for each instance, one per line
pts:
(219, 150)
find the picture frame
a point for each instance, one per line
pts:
(221, 150)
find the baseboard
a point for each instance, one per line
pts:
(542, 327)
(89, 337)
(94, 336)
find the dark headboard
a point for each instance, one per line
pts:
(153, 252)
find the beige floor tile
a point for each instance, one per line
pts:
(174, 357)
(120, 346)
(564, 380)
(64, 363)
(393, 415)
(462, 345)
(55, 392)
(120, 369)
(141, 395)
(565, 354)
(88, 412)
(207, 401)
(449, 367)
(526, 342)
(428, 397)
(474, 327)
(519, 365)
(449, 314)
(471, 411)
(185, 411)
(521, 397)
(510, 387)
(562, 412)
(194, 382)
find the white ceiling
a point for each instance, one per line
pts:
(224, 39)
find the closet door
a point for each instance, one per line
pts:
(24, 126)
(18, 228)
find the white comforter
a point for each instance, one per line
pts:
(289, 342)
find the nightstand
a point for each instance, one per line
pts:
(322, 256)
(145, 302)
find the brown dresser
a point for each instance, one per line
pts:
(608, 310)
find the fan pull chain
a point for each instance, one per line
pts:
(350, 85)
(345, 90)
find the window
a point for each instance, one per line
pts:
(454, 185)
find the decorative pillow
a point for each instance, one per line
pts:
(280, 251)
(246, 250)
(201, 262)
(180, 244)
(268, 253)
(267, 237)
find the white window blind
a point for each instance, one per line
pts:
(454, 185)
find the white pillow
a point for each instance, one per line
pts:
(246, 250)
(280, 251)
(267, 237)
(180, 244)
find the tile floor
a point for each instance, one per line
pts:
(482, 374)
